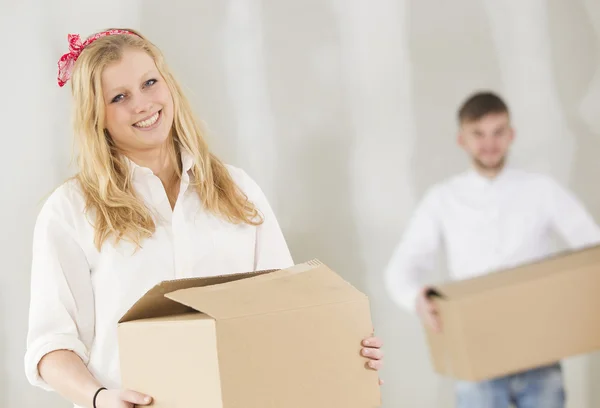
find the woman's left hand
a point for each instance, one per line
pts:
(372, 350)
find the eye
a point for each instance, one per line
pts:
(150, 82)
(118, 98)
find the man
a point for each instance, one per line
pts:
(488, 218)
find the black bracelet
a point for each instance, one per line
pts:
(96, 396)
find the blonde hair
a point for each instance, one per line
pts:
(104, 174)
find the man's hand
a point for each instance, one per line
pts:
(428, 312)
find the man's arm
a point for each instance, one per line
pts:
(570, 218)
(415, 255)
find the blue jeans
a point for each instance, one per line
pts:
(539, 388)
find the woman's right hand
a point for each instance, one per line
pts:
(121, 399)
(65, 372)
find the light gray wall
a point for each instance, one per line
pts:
(343, 110)
(358, 100)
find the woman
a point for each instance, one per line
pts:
(149, 203)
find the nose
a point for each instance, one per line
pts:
(141, 103)
(489, 141)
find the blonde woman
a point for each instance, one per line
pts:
(150, 203)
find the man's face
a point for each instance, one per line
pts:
(487, 140)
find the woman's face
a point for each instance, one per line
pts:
(138, 103)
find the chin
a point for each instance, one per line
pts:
(493, 164)
(156, 141)
(154, 137)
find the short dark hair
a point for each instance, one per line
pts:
(480, 104)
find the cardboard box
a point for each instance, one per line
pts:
(272, 339)
(518, 319)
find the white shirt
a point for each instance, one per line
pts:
(485, 225)
(78, 294)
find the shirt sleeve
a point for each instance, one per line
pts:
(271, 250)
(570, 218)
(414, 256)
(61, 303)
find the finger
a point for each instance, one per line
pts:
(135, 397)
(436, 323)
(380, 381)
(372, 342)
(372, 353)
(432, 318)
(431, 322)
(432, 307)
(375, 364)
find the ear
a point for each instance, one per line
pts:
(512, 134)
(460, 139)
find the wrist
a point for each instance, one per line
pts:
(97, 396)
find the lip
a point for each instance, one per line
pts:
(155, 125)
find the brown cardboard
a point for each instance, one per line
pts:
(518, 319)
(272, 339)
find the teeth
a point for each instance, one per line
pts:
(148, 122)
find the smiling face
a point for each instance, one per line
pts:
(487, 140)
(138, 103)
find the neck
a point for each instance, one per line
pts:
(488, 172)
(157, 160)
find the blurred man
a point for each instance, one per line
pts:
(490, 217)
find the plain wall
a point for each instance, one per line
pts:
(342, 110)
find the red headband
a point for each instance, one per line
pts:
(66, 62)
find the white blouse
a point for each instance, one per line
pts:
(78, 293)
